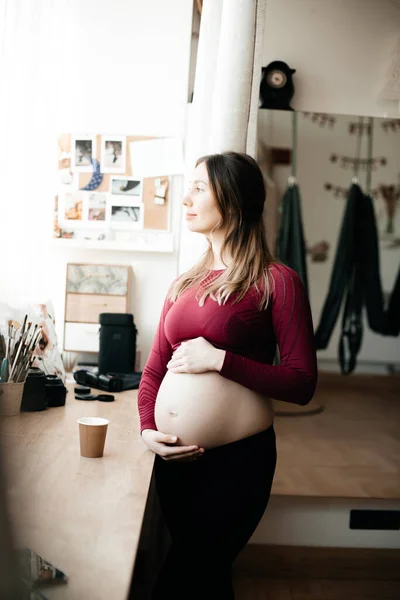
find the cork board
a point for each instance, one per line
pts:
(156, 216)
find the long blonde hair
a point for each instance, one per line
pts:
(237, 185)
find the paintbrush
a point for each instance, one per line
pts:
(23, 368)
(23, 325)
(12, 329)
(14, 362)
(35, 338)
(18, 344)
(29, 340)
(29, 366)
(15, 325)
(32, 334)
(25, 355)
(28, 347)
(9, 333)
(3, 346)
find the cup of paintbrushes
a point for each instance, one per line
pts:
(10, 398)
(21, 358)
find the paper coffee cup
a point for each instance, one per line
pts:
(92, 436)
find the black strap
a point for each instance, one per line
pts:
(384, 322)
(352, 328)
(341, 272)
(356, 276)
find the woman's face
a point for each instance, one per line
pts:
(202, 213)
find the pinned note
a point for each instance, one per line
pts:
(150, 158)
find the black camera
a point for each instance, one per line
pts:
(109, 382)
(42, 391)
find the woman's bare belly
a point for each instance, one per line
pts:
(209, 410)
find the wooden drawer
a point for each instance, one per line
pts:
(81, 337)
(86, 308)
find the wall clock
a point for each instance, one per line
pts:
(276, 87)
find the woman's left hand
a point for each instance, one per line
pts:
(196, 356)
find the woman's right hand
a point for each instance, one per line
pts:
(165, 446)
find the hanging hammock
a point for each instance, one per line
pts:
(291, 247)
(356, 275)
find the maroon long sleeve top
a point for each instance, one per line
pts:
(249, 336)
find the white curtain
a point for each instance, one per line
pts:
(252, 126)
(228, 72)
(224, 112)
(34, 50)
(233, 78)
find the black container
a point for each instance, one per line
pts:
(34, 396)
(56, 391)
(117, 351)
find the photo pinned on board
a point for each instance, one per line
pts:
(97, 207)
(83, 150)
(126, 216)
(83, 210)
(71, 209)
(125, 186)
(113, 154)
(125, 207)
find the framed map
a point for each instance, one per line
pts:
(97, 279)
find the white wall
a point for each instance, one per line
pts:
(341, 50)
(67, 65)
(323, 522)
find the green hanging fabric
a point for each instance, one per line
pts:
(291, 246)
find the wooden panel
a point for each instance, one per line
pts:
(283, 562)
(86, 308)
(247, 588)
(94, 288)
(81, 337)
(315, 589)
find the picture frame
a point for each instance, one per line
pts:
(126, 216)
(71, 210)
(96, 210)
(113, 154)
(125, 186)
(83, 210)
(83, 149)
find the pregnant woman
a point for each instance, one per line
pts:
(205, 394)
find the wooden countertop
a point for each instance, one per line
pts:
(84, 515)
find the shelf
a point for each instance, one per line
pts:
(144, 242)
